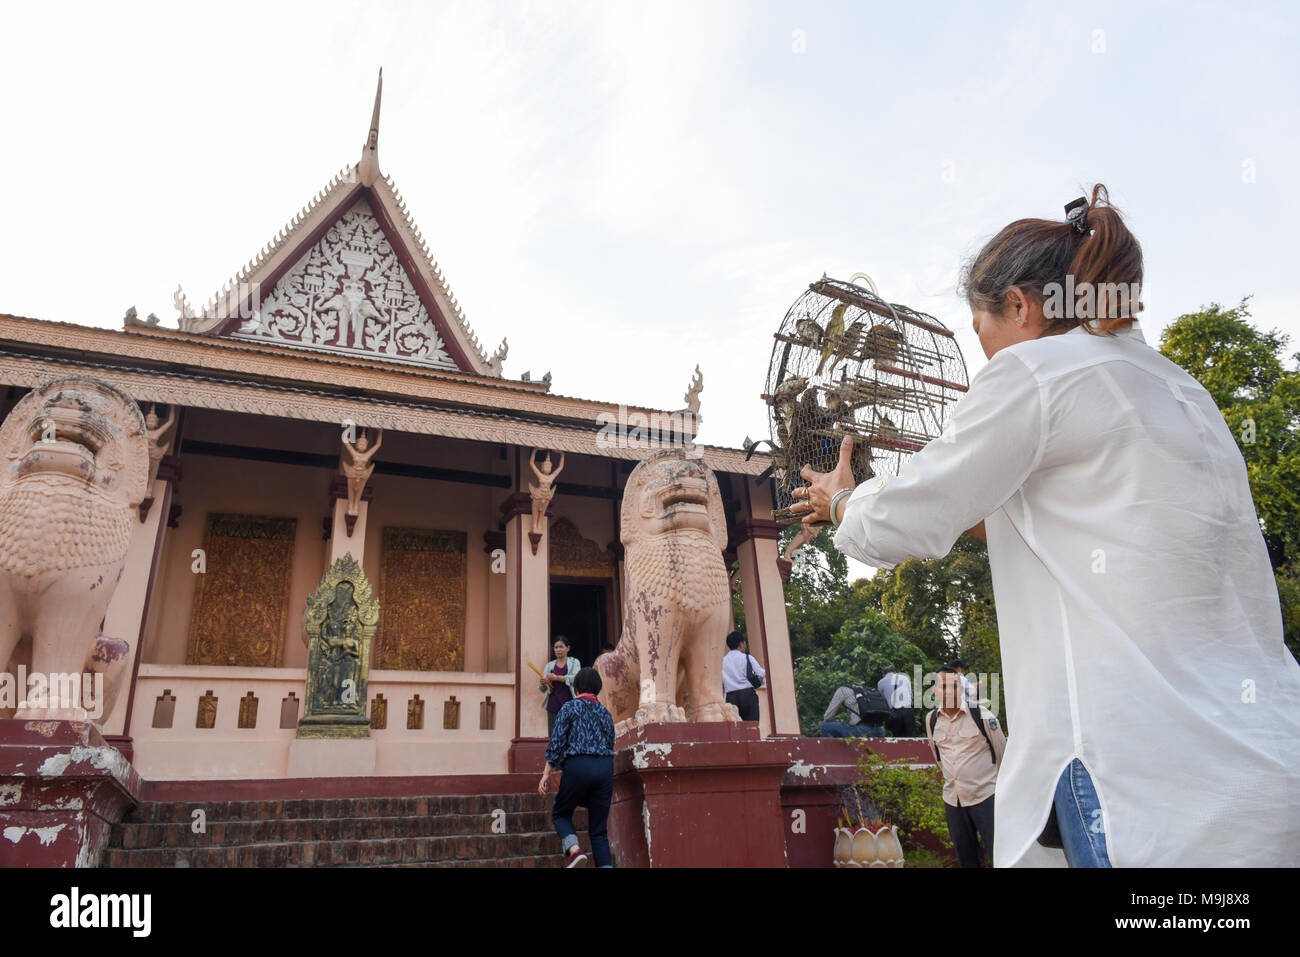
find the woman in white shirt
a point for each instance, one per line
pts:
(1152, 702)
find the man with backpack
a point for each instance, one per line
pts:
(898, 692)
(967, 744)
(868, 711)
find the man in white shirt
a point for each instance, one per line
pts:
(735, 682)
(898, 692)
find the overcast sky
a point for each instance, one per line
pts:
(626, 189)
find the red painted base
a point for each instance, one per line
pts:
(715, 795)
(698, 795)
(527, 755)
(62, 788)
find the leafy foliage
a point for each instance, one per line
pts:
(909, 798)
(944, 606)
(858, 654)
(818, 596)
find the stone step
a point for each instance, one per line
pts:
(413, 831)
(162, 812)
(130, 835)
(494, 850)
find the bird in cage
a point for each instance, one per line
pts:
(883, 343)
(809, 333)
(834, 334)
(847, 363)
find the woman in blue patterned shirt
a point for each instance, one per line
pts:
(582, 748)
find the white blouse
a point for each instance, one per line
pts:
(1138, 614)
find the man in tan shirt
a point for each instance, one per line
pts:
(968, 744)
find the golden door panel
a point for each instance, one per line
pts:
(241, 600)
(577, 557)
(422, 584)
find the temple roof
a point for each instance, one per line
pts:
(349, 274)
(153, 363)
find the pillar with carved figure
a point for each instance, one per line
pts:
(127, 614)
(757, 548)
(528, 621)
(347, 532)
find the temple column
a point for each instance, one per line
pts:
(500, 650)
(528, 614)
(127, 613)
(757, 543)
(347, 532)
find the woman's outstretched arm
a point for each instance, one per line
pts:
(992, 443)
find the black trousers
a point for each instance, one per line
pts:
(587, 780)
(902, 722)
(746, 702)
(963, 825)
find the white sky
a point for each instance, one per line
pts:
(625, 190)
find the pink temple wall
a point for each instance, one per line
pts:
(219, 484)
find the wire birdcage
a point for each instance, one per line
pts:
(846, 362)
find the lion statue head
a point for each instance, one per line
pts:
(76, 461)
(674, 529)
(82, 428)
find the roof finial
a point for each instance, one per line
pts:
(368, 168)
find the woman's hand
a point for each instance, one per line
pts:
(545, 784)
(815, 499)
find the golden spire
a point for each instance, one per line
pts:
(368, 168)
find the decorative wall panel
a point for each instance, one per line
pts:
(241, 601)
(422, 585)
(571, 554)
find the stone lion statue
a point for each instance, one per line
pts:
(667, 665)
(76, 466)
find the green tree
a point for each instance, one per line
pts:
(1245, 372)
(944, 606)
(858, 653)
(819, 597)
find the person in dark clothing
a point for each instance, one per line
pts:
(582, 748)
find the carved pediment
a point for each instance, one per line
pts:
(349, 293)
(571, 554)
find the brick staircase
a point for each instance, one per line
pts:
(425, 831)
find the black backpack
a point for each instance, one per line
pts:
(871, 703)
(979, 723)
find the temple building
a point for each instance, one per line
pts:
(332, 399)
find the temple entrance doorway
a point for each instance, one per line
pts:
(580, 612)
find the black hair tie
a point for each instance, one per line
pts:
(1076, 214)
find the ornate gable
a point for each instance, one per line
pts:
(351, 274)
(349, 293)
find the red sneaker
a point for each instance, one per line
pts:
(577, 858)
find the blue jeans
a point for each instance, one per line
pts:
(1078, 815)
(586, 780)
(838, 729)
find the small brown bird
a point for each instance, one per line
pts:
(834, 335)
(884, 343)
(848, 344)
(809, 332)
